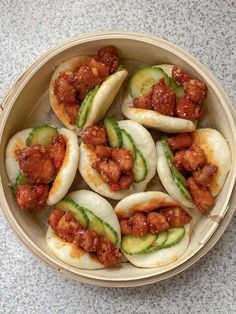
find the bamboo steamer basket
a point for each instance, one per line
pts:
(18, 110)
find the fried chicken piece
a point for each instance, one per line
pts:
(205, 175)
(179, 160)
(194, 158)
(163, 98)
(85, 80)
(156, 222)
(87, 239)
(109, 56)
(123, 158)
(176, 216)
(144, 101)
(57, 151)
(103, 151)
(126, 226)
(108, 169)
(195, 90)
(139, 224)
(187, 109)
(108, 254)
(94, 135)
(180, 141)
(36, 164)
(64, 89)
(31, 196)
(179, 75)
(55, 217)
(201, 196)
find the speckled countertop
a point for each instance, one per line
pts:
(207, 29)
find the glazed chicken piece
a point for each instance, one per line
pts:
(180, 141)
(55, 217)
(109, 56)
(194, 158)
(94, 135)
(144, 101)
(195, 90)
(36, 164)
(156, 222)
(163, 98)
(85, 80)
(31, 196)
(205, 175)
(99, 69)
(108, 169)
(107, 253)
(123, 158)
(87, 239)
(103, 151)
(126, 226)
(179, 75)
(179, 160)
(64, 89)
(202, 197)
(176, 216)
(57, 151)
(187, 109)
(139, 224)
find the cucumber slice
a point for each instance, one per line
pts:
(86, 106)
(113, 132)
(136, 245)
(159, 242)
(175, 235)
(179, 91)
(42, 135)
(128, 143)
(140, 170)
(143, 79)
(110, 233)
(95, 223)
(71, 206)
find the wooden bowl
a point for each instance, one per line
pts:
(27, 104)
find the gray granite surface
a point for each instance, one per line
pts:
(207, 29)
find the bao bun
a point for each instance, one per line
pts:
(102, 100)
(153, 119)
(143, 141)
(67, 172)
(68, 252)
(147, 202)
(217, 152)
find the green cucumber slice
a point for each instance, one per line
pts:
(42, 135)
(86, 106)
(143, 79)
(179, 91)
(110, 233)
(136, 245)
(175, 235)
(159, 242)
(69, 205)
(95, 223)
(140, 169)
(128, 143)
(113, 132)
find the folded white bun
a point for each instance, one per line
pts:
(102, 100)
(217, 152)
(153, 119)
(67, 172)
(147, 202)
(143, 141)
(68, 252)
